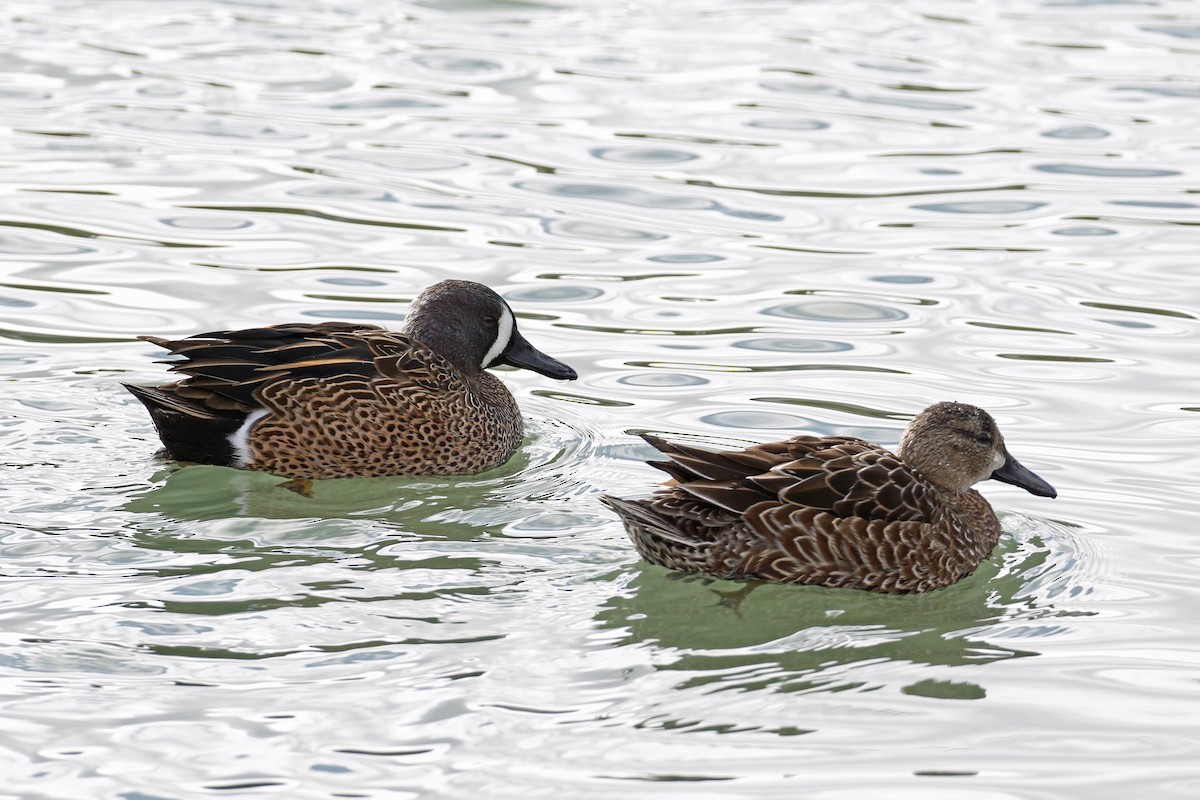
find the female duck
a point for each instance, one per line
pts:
(337, 399)
(833, 510)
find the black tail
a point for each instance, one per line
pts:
(189, 431)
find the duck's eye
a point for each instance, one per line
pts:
(984, 439)
(490, 321)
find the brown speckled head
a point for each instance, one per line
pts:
(956, 445)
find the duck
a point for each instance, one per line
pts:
(344, 399)
(834, 511)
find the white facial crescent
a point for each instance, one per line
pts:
(503, 335)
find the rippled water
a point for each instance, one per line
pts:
(738, 222)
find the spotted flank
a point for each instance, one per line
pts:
(336, 399)
(834, 510)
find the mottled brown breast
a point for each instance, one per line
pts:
(416, 414)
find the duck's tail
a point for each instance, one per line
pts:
(662, 539)
(189, 431)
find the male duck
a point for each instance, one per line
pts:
(833, 510)
(339, 399)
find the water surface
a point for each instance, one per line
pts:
(738, 222)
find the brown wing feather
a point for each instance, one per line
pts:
(705, 464)
(844, 475)
(853, 478)
(225, 370)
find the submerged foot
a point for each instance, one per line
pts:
(301, 486)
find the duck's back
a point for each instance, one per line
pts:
(834, 511)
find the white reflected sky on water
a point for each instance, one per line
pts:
(737, 223)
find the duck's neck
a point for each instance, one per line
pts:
(934, 464)
(448, 341)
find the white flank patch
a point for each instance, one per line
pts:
(240, 439)
(502, 338)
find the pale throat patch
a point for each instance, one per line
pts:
(503, 335)
(239, 440)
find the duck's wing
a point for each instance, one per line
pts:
(226, 370)
(842, 475)
(851, 479)
(388, 376)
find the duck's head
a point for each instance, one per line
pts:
(473, 327)
(956, 445)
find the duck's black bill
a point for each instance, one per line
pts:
(520, 353)
(1012, 472)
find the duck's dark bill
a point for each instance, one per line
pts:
(520, 353)
(1012, 472)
